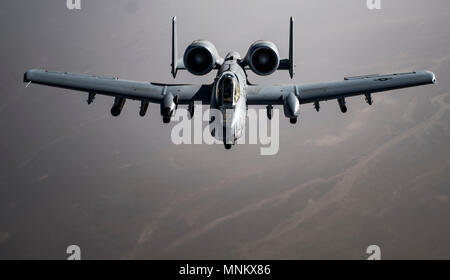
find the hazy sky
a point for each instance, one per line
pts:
(118, 187)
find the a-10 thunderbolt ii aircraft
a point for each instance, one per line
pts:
(230, 91)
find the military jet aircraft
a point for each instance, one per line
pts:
(231, 91)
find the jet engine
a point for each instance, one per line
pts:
(200, 57)
(263, 58)
(169, 105)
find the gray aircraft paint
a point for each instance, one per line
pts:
(234, 122)
(118, 187)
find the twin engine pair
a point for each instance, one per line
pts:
(201, 57)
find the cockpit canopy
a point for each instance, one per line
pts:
(227, 91)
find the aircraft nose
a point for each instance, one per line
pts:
(228, 133)
(229, 126)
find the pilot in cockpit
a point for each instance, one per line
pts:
(227, 91)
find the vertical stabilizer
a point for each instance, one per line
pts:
(174, 47)
(291, 49)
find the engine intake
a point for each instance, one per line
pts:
(263, 58)
(200, 57)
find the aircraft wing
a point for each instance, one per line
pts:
(143, 91)
(350, 86)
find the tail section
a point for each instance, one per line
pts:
(289, 64)
(174, 47)
(284, 64)
(291, 49)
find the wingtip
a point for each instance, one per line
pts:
(30, 74)
(25, 79)
(432, 76)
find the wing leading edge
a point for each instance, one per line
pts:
(256, 94)
(350, 86)
(112, 86)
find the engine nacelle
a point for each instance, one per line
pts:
(263, 58)
(169, 105)
(200, 57)
(291, 106)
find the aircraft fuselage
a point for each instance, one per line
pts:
(229, 97)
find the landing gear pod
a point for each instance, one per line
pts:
(291, 106)
(169, 105)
